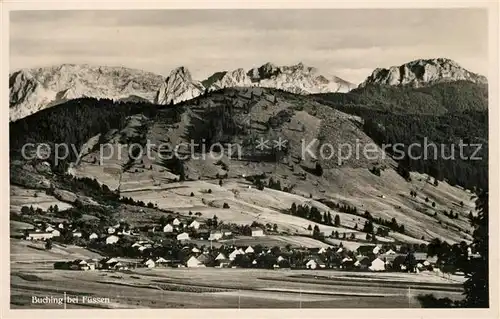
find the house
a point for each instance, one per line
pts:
(362, 262)
(93, 236)
(280, 258)
(195, 250)
(249, 250)
(220, 256)
(77, 233)
(257, 232)
(193, 262)
(226, 232)
(322, 250)
(377, 265)
(421, 257)
(314, 264)
(60, 226)
(168, 228)
(49, 229)
(376, 250)
(34, 235)
(176, 222)
(215, 235)
(117, 266)
(79, 264)
(56, 233)
(222, 260)
(390, 252)
(183, 236)
(235, 253)
(111, 230)
(136, 244)
(347, 263)
(112, 239)
(148, 262)
(205, 259)
(124, 232)
(194, 224)
(160, 261)
(340, 250)
(141, 248)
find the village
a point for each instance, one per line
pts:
(188, 242)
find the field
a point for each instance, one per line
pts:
(32, 274)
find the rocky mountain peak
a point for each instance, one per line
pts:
(423, 72)
(32, 90)
(178, 86)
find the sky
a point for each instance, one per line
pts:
(349, 43)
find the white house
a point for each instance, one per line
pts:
(226, 232)
(141, 248)
(377, 265)
(257, 232)
(56, 233)
(280, 258)
(376, 250)
(311, 264)
(111, 230)
(60, 226)
(215, 235)
(149, 263)
(242, 252)
(340, 250)
(176, 222)
(249, 250)
(194, 224)
(220, 256)
(34, 235)
(161, 261)
(390, 252)
(235, 253)
(183, 236)
(124, 232)
(195, 250)
(112, 239)
(168, 228)
(77, 233)
(322, 250)
(49, 229)
(193, 263)
(93, 236)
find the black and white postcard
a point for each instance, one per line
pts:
(173, 158)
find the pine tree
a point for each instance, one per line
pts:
(337, 220)
(477, 286)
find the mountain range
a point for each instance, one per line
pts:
(435, 99)
(32, 90)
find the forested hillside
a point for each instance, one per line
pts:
(444, 114)
(436, 99)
